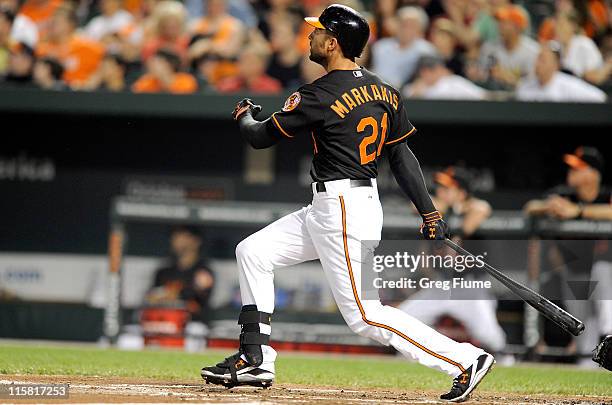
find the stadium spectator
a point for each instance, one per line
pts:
(436, 82)
(41, 12)
(21, 63)
(48, 74)
(280, 11)
(592, 17)
(80, 57)
(252, 75)
(24, 30)
(513, 55)
(285, 60)
(6, 22)
(169, 30)
(112, 21)
(443, 38)
(549, 84)
(604, 74)
(111, 76)
(580, 55)
(188, 277)
(241, 9)
(384, 24)
(217, 37)
(395, 59)
(310, 8)
(163, 75)
(473, 21)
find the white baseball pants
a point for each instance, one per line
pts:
(331, 229)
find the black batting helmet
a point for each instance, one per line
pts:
(349, 27)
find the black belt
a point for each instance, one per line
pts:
(320, 187)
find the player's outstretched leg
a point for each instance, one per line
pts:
(254, 362)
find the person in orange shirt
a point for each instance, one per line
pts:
(80, 57)
(593, 17)
(251, 78)
(40, 12)
(169, 30)
(217, 37)
(163, 75)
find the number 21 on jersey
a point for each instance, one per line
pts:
(371, 122)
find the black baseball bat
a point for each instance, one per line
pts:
(564, 319)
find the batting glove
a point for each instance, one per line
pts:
(244, 105)
(434, 227)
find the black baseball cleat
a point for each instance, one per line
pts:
(466, 382)
(235, 371)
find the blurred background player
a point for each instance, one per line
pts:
(583, 196)
(474, 309)
(188, 277)
(571, 267)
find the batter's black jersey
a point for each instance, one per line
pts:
(350, 115)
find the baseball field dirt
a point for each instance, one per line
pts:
(153, 376)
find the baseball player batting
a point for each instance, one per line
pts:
(352, 117)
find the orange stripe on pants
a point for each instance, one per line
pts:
(356, 296)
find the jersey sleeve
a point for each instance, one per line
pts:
(401, 127)
(301, 113)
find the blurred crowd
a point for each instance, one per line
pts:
(543, 50)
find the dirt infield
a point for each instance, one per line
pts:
(126, 390)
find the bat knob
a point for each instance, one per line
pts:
(578, 329)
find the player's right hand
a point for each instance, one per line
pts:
(244, 105)
(434, 227)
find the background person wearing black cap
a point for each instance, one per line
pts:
(583, 196)
(567, 261)
(453, 197)
(187, 277)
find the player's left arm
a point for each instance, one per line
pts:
(409, 176)
(259, 134)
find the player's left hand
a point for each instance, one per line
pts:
(244, 105)
(434, 227)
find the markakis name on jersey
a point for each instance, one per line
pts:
(361, 95)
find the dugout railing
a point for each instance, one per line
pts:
(510, 224)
